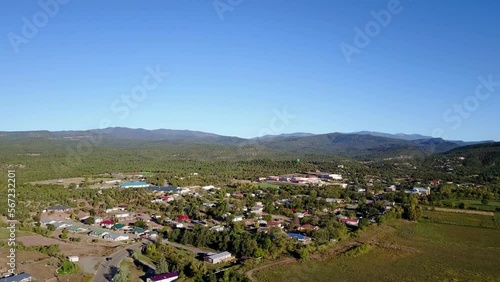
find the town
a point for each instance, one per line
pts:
(214, 229)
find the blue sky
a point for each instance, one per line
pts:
(231, 75)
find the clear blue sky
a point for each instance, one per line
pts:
(230, 75)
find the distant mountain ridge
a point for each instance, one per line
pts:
(364, 144)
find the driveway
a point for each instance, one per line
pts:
(107, 269)
(88, 264)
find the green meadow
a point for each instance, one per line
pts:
(440, 247)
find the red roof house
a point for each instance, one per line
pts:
(183, 218)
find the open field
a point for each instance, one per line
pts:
(491, 206)
(463, 219)
(77, 180)
(423, 251)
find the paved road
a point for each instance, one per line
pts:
(106, 268)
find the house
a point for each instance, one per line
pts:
(45, 222)
(421, 191)
(116, 237)
(308, 227)
(115, 209)
(238, 195)
(77, 229)
(150, 234)
(118, 226)
(299, 237)
(21, 277)
(391, 188)
(209, 187)
(98, 233)
(274, 224)
(139, 184)
(330, 176)
(210, 205)
(73, 258)
(59, 209)
(138, 231)
(349, 221)
(165, 277)
(218, 258)
(217, 228)
(334, 201)
(82, 216)
(107, 224)
(98, 220)
(122, 215)
(183, 218)
(62, 225)
(238, 218)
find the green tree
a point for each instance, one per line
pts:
(162, 266)
(123, 275)
(303, 253)
(141, 224)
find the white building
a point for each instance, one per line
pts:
(73, 258)
(421, 191)
(116, 237)
(209, 187)
(217, 228)
(122, 215)
(238, 218)
(218, 258)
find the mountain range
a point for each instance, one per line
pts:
(364, 144)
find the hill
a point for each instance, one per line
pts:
(355, 145)
(362, 146)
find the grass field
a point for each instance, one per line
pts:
(491, 206)
(4, 233)
(471, 220)
(267, 185)
(423, 251)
